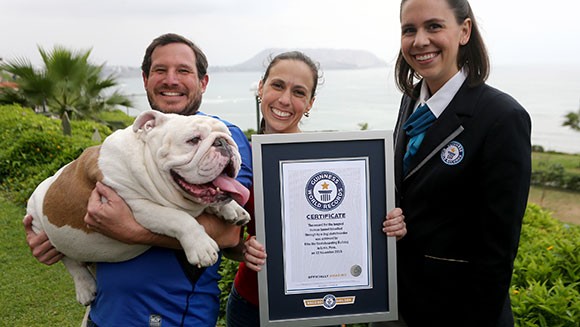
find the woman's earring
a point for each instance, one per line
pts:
(259, 99)
(307, 114)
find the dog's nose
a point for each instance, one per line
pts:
(220, 142)
(223, 146)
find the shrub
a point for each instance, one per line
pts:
(557, 170)
(228, 269)
(537, 148)
(572, 182)
(33, 147)
(546, 281)
(548, 174)
(116, 119)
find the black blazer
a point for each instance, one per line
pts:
(464, 206)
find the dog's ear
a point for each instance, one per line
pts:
(148, 119)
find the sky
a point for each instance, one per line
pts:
(232, 31)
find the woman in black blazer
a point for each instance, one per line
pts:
(464, 191)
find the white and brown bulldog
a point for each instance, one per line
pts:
(169, 168)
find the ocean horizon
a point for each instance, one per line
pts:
(347, 99)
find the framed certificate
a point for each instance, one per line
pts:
(320, 201)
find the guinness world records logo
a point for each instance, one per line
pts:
(329, 301)
(324, 191)
(452, 153)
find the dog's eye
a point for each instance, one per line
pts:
(194, 140)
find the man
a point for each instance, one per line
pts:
(158, 288)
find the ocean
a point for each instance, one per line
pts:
(347, 99)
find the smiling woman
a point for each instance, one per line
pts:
(442, 70)
(287, 92)
(429, 41)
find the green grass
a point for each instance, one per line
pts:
(31, 294)
(570, 162)
(563, 205)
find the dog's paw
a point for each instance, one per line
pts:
(202, 251)
(86, 291)
(85, 284)
(233, 213)
(242, 218)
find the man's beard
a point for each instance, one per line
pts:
(190, 109)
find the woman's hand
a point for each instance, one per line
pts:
(394, 224)
(254, 254)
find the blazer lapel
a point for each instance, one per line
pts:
(447, 127)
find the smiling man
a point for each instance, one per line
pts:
(174, 77)
(158, 288)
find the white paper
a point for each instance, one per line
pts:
(325, 219)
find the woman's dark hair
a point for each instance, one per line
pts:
(165, 39)
(473, 55)
(297, 56)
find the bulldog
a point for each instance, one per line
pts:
(169, 168)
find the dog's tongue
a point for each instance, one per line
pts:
(232, 186)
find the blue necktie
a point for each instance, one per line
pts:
(415, 128)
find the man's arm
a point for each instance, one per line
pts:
(114, 218)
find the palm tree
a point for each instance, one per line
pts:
(68, 83)
(573, 120)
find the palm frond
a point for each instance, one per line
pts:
(68, 82)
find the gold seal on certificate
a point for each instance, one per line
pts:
(355, 270)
